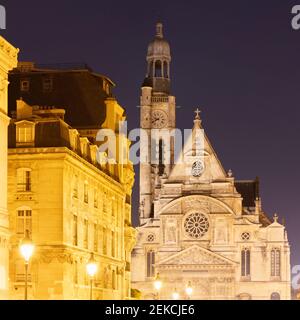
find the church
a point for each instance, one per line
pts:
(203, 235)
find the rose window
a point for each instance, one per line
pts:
(196, 225)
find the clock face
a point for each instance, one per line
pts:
(197, 169)
(159, 119)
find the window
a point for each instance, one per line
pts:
(23, 180)
(104, 241)
(114, 280)
(96, 199)
(196, 225)
(245, 236)
(161, 166)
(47, 84)
(86, 192)
(75, 230)
(25, 133)
(95, 237)
(85, 233)
(24, 222)
(25, 85)
(150, 237)
(75, 279)
(158, 69)
(113, 244)
(75, 188)
(245, 262)
(150, 264)
(275, 262)
(166, 70)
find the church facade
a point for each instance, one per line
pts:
(200, 229)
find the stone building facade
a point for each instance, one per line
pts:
(199, 226)
(8, 61)
(71, 204)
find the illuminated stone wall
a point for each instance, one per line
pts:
(8, 60)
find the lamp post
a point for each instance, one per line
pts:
(189, 290)
(26, 250)
(91, 269)
(157, 286)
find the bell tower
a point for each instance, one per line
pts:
(158, 122)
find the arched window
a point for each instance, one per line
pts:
(158, 69)
(166, 69)
(275, 262)
(245, 262)
(150, 264)
(161, 165)
(275, 296)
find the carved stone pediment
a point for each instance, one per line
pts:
(196, 255)
(175, 208)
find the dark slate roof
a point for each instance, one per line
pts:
(79, 92)
(54, 133)
(249, 191)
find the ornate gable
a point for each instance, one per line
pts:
(196, 255)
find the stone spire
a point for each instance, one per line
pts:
(197, 134)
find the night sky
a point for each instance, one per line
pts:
(236, 60)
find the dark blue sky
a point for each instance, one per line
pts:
(237, 60)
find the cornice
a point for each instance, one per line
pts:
(8, 55)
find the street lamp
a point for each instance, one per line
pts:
(26, 250)
(91, 269)
(189, 290)
(175, 295)
(157, 285)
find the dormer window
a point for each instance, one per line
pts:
(47, 85)
(25, 133)
(106, 87)
(25, 85)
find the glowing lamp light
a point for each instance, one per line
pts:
(27, 247)
(157, 283)
(175, 295)
(92, 267)
(189, 289)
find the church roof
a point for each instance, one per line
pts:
(249, 190)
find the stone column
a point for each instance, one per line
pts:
(8, 61)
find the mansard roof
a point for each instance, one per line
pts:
(75, 88)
